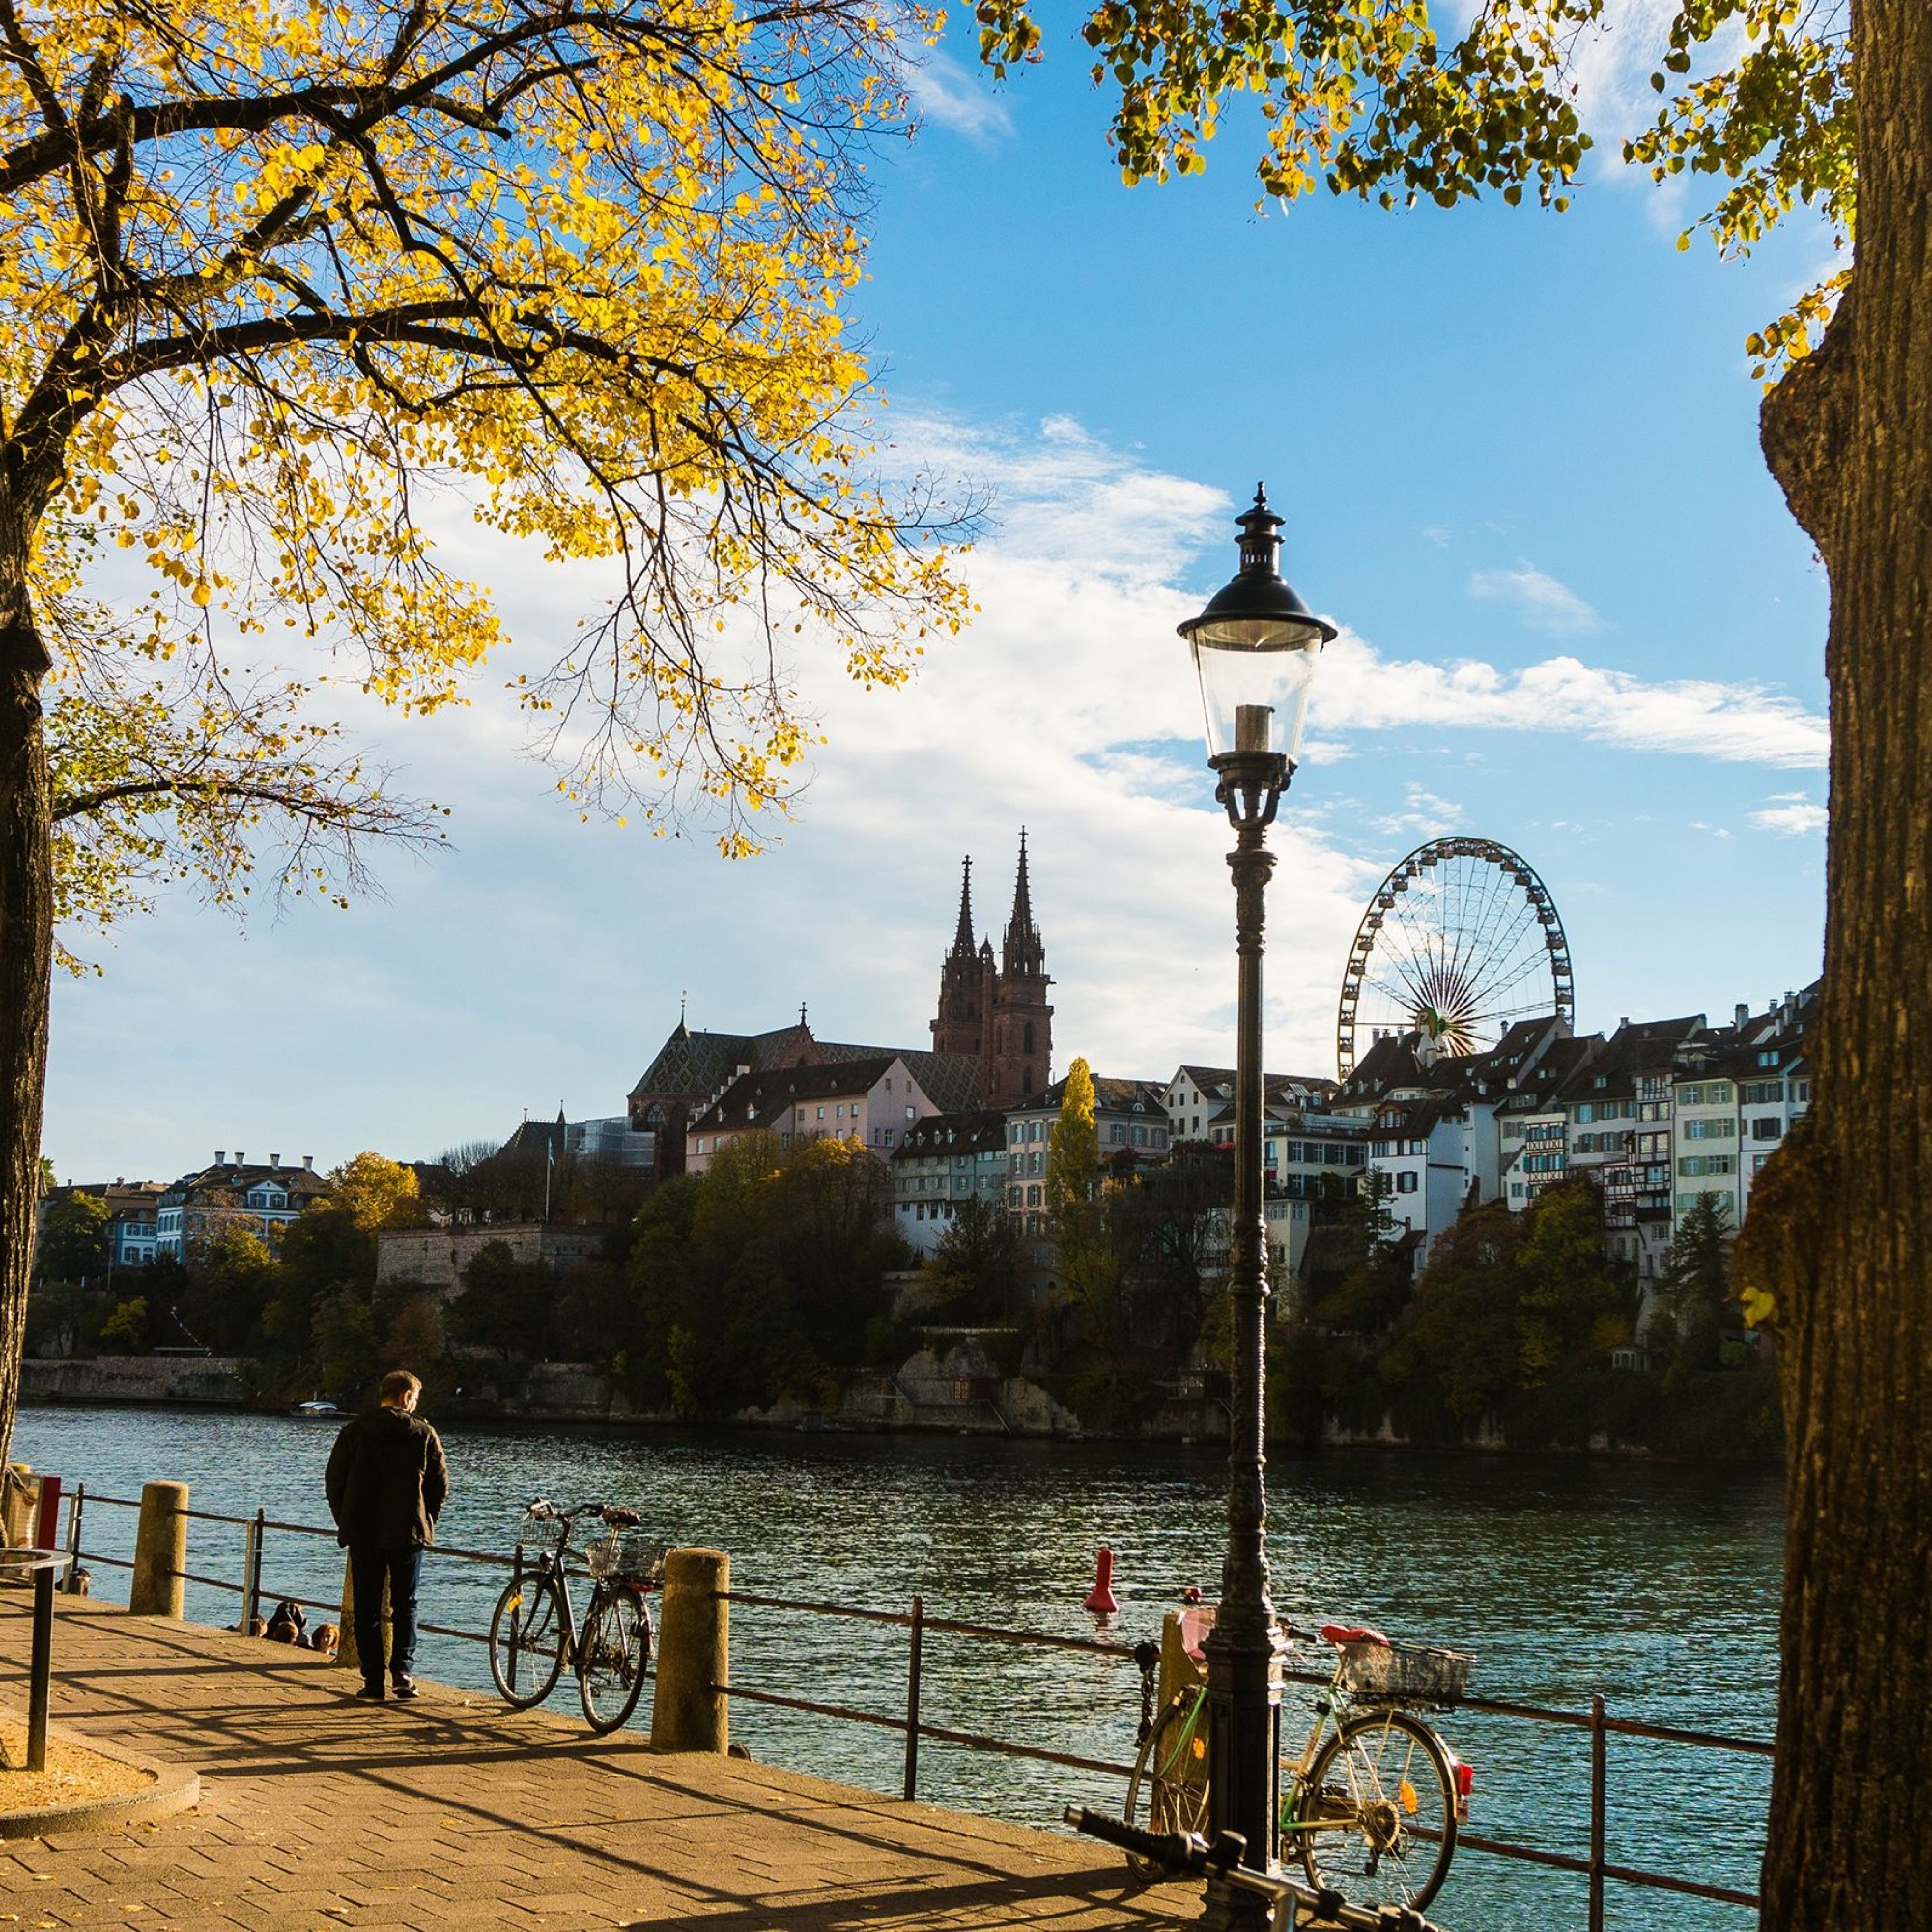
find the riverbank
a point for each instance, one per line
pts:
(454, 1811)
(956, 1392)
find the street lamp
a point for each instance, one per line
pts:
(1255, 648)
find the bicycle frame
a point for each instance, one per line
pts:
(1331, 1706)
(549, 1564)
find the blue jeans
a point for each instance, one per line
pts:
(368, 1571)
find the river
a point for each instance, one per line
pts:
(1653, 1585)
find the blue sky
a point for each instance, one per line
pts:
(1518, 456)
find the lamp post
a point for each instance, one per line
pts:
(1255, 648)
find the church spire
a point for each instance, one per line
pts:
(1023, 951)
(962, 940)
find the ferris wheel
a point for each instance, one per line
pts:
(1459, 941)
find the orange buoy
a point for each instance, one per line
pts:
(1100, 1598)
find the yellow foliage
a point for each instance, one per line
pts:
(289, 286)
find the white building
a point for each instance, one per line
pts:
(869, 1102)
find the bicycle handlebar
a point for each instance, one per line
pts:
(1190, 1853)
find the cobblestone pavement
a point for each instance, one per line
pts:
(320, 1812)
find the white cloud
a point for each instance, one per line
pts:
(1424, 816)
(946, 94)
(1541, 603)
(1791, 814)
(1360, 690)
(542, 960)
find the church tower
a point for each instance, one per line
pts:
(1016, 1062)
(965, 990)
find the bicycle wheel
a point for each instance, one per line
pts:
(1378, 1819)
(610, 1664)
(527, 1640)
(1167, 1790)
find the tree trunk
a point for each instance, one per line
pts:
(26, 951)
(1842, 1240)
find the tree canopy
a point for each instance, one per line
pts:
(306, 301)
(1369, 97)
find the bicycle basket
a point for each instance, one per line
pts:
(537, 1533)
(625, 1553)
(1403, 1674)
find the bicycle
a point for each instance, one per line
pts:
(534, 1633)
(1371, 1804)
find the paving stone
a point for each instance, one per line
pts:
(320, 1812)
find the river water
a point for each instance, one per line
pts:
(1656, 1586)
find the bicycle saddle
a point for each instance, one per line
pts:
(1339, 1634)
(621, 1518)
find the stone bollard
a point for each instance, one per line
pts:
(160, 1551)
(694, 1652)
(347, 1651)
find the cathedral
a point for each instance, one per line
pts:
(998, 1013)
(992, 1041)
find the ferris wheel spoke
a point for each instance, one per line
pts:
(1504, 979)
(1466, 945)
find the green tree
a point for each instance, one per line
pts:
(231, 1279)
(1463, 1334)
(504, 1304)
(1694, 1291)
(979, 1267)
(1577, 1305)
(125, 1332)
(63, 1318)
(73, 1238)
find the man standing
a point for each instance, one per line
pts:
(386, 1482)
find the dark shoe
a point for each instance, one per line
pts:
(374, 1693)
(406, 1688)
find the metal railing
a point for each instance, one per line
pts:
(1595, 1865)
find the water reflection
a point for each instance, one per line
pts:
(1656, 1586)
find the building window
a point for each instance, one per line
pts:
(1770, 1128)
(1405, 1181)
(1691, 1164)
(1034, 1197)
(889, 1136)
(821, 1113)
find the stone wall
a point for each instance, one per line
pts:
(436, 1257)
(184, 1378)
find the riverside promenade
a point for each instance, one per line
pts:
(317, 1811)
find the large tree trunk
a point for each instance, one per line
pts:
(1843, 1239)
(26, 948)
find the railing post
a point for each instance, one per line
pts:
(1599, 1783)
(76, 1504)
(912, 1698)
(40, 1668)
(252, 1574)
(160, 1551)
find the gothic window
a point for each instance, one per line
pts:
(1026, 1045)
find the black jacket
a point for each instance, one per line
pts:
(386, 1481)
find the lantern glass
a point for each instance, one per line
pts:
(1255, 675)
